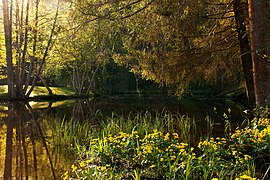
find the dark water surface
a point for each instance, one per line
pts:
(27, 150)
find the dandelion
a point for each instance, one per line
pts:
(214, 178)
(161, 159)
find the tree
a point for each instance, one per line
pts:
(7, 13)
(20, 61)
(241, 14)
(260, 49)
(175, 43)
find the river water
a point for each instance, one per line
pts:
(27, 150)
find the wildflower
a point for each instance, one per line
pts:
(82, 164)
(103, 168)
(65, 177)
(182, 165)
(247, 177)
(161, 159)
(214, 178)
(247, 157)
(74, 168)
(200, 145)
(152, 166)
(214, 146)
(167, 136)
(175, 135)
(173, 158)
(88, 161)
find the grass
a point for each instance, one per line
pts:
(157, 146)
(42, 91)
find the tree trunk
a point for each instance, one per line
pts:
(46, 85)
(8, 45)
(240, 14)
(22, 75)
(33, 58)
(260, 39)
(45, 52)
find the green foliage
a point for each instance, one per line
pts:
(160, 155)
(171, 43)
(120, 151)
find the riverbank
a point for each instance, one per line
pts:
(162, 147)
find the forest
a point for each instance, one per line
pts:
(203, 49)
(181, 46)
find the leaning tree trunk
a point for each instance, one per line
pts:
(260, 40)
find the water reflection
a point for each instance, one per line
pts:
(25, 153)
(28, 146)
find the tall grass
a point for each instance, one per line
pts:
(75, 134)
(146, 122)
(150, 145)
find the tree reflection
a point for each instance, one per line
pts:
(83, 109)
(25, 149)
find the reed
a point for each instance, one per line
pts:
(157, 146)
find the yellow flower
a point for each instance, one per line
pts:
(247, 177)
(214, 146)
(173, 158)
(82, 164)
(200, 145)
(103, 168)
(152, 166)
(214, 178)
(167, 136)
(161, 159)
(175, 135)
(74, 168)
(88, 161)
(247, 157)
(65, 175)
(182, 165)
